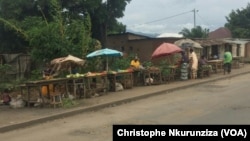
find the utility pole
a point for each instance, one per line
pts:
(195, 17)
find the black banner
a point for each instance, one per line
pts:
(177, 132)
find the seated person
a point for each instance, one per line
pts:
(203, 63)
(6, 99)
(202, 60)
(135, 63)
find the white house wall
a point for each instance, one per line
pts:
(242, 50)
(234, 50)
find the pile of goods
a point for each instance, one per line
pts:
(127, 70)
(95, 73)
(75, 75)
(153, 68)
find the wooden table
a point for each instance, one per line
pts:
(237, 62)
(125, 78)
(37, 85)
(171, 73)
(79, 87)
(138, 77)
(217, 65)
(152, 73)
(95, 83)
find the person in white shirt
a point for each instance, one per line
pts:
(193, 64)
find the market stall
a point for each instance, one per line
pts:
(138, 77)
(152, 75)
(217, 65)
(124, 77)
(68, 63)
(167, 50)
(32, 87)
(237, 62)
(169, 73)
(95, 83)
(76, 86)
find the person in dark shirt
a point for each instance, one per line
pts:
(47, 70)
(203, 60)
(203, 63)
(184, 58)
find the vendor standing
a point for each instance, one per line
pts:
(193, 64)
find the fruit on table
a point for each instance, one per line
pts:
(75, 75)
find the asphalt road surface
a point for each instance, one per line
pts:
(220, 102)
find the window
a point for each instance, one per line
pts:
(130, 48)
(215, 50)
(122, 49)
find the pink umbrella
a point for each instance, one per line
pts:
(165, 49)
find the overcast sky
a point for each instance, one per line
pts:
(171, 16)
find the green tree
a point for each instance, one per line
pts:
(51, 32)
(104, 18)
(197, 32)
(10, 12)
(238, 22)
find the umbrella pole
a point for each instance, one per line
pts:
(107, 69)
(168, 60)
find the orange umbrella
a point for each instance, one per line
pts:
(165, 49)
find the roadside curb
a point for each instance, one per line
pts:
(109, 104)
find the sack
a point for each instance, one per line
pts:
(17, 102)
(149, 81)
(118, 87)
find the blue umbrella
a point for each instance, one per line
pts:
(105, 52)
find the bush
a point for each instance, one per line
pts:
(67, 102)
(120, 63)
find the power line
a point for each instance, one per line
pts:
(168, 17)
(203, 19)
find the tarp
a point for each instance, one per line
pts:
(68, 60)
(183, 43)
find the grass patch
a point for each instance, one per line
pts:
(68, 103)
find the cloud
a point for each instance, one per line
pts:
(158, 16)
(169, 35)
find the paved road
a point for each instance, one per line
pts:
(220, 102)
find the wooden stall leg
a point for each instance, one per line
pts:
(56, 100)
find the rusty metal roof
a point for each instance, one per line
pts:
(210, 42)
